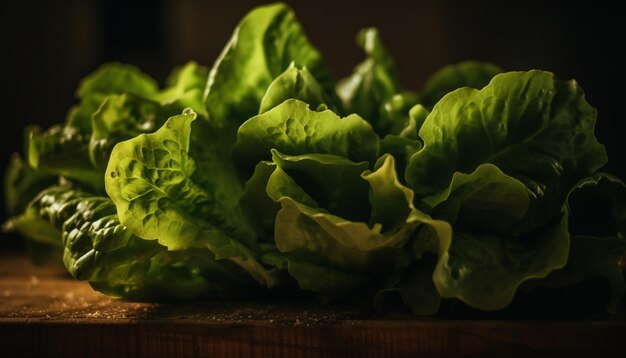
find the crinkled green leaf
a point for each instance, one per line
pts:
(110, 78)
(294, 83)
(42, 221)
(99, 249)
(185, 88)
(406, 142)
(149, 178)
(258, 207)
(395, 114)
(486, 200)
(63, 150)
(373, 90)
(321, 181)
(292, 128)
(484, 270)
(266, 41)
(311, 235)
(464, 74)
(122, 117)
(598, 227)
(534, 129)
(341, 242)
(22, 183)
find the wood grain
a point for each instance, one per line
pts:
(46, 313)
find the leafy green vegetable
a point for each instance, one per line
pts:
(149, 180)
(533, 128)
(63, 150)
(111, 78)
(294, 83)
(485, 200)
(485, 270)
(598, 235)
(22, 183)
(124, 116)
(264, 44)
(373, 91)
(465, 74)
(360, 192)
(293, 128)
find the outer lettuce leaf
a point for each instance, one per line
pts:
(149, 180)
(63, 150)
(295, 83)
(597, 207)
(185, 88)
(406, 143)
(464, 74)
(124, 116)
(292, 128)
(482, 264)
(98, 249)
(43, 218)
(259, 208)
(484, 270)
(374, 91)
(312, 238)
(102, 251)
(110, 78)
(266, 41)
(22, 183)
(321, 180)
(532, 128)
(487, 200)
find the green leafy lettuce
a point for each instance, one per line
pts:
(261, 176)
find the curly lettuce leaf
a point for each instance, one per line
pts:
(97, 248)
(486, 200)
(406, 143)
(22, 183)
(184, 88)
(297, 83)
(320, 224)
(484, 270)
(264, 44)
(64, 151)
(149, 178)
(471, 74)
(257, 206)
(533, 128)
(373, 91)
(483, 264)
(292, 128)
(43, 217)
(598, 236)
(124, 116)
(110, 78)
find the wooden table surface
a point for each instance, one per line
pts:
(43, 312)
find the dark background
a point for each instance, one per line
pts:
(48, 46)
